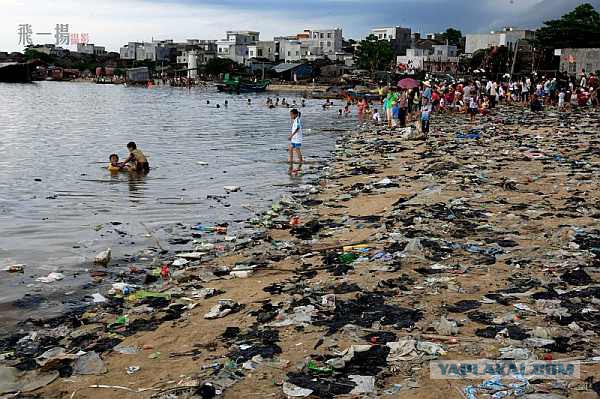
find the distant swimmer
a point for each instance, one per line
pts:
(226, 103)
(207, 101)
(218, 106)
(137, 159)
(249, 101)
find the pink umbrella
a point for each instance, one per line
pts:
(408, 83)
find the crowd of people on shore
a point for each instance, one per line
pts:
(477, 97)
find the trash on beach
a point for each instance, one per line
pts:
(13, 380)
(103, 258)
(231, 189)
(296, 391)
(51, 278)
(98, 298)
(445, 327)
(17, 268)
(89, 363)
(191, 255)
(222, 309)
(180, 262)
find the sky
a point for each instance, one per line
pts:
(112, 23)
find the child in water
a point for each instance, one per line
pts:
(295, 138)
(137, 158)
(115, 165)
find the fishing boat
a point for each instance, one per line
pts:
(237, 85)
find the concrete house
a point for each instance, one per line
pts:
(508, 37)
(400, 38)
(235, 45)
(574, 61)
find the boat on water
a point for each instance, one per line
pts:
(237, 85)
(14, 72)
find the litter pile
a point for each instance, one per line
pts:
(481, 242)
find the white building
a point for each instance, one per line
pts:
(91, 49)
(263, 49)
(507, 37)
(413, 59)
(445, 50)
(292, 50)
(204, 50)
(575, 61)
(400, 38)
(129, 51)
(442, 58)
(322, 42)
(235, 45)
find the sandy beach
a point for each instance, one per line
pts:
(458, 232)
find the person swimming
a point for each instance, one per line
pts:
(114, 164)
(137, 158)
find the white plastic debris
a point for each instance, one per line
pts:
(180, 262)
(221, 309)
(51, 278)
(444, 326)
(103, 258)
(98, 298)
(296, 391)
(364, 384)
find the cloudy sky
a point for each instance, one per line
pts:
(114, 22)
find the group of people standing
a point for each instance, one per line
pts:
(401, 106)
(477, 97)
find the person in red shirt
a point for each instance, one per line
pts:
(435, 100)
(582, 98)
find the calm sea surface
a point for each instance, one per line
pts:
(57, 200)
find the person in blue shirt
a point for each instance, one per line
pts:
(427, 93)
(425, 116)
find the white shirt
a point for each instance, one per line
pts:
(297, 139)
(472, 103)
(493, 89)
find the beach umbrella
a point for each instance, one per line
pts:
(408, 83)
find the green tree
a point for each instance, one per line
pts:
(577, 29)
(374, 54)
(453, 36)
(32, 54)
(216, 66)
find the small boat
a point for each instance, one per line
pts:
(369, 96)
(237, 85)
(14, 72)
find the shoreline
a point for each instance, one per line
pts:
(440, 228)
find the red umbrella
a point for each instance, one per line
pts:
(408, 83)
